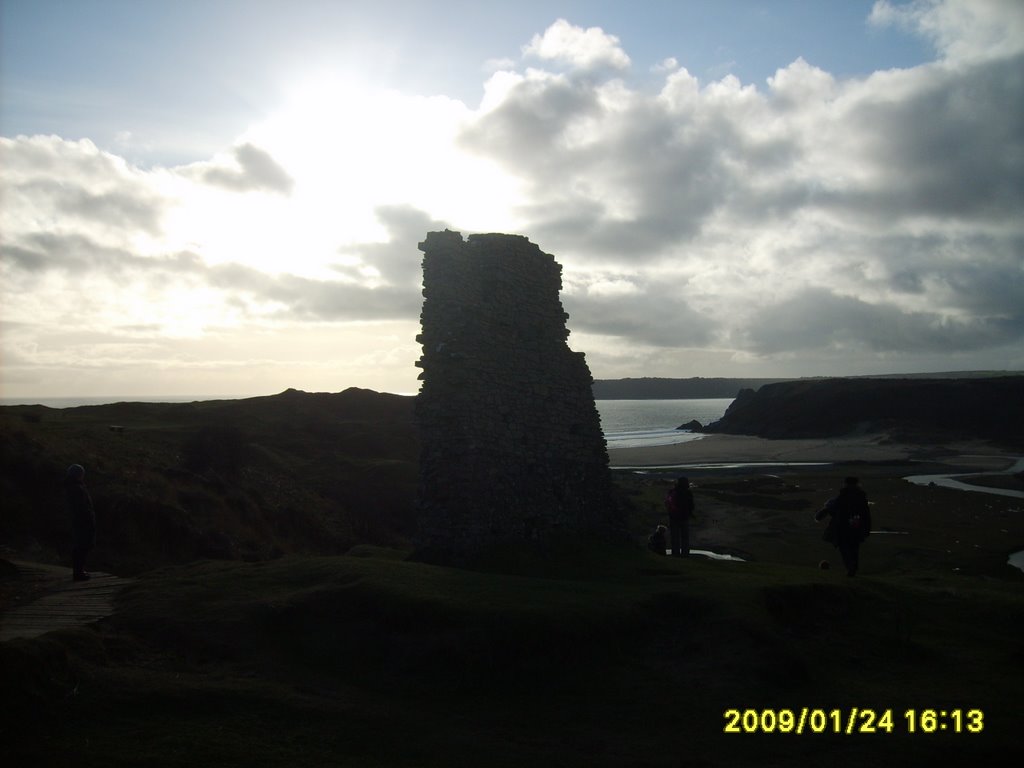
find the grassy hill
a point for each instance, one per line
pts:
(615, 657)
(174, 482)
(279, 619)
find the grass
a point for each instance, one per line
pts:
(921, 532)
(371, 659)
(591, 656)
(295, 472)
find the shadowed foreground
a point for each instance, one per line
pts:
(65, 603)
(597, 656)
(602, 657)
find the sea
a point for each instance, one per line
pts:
(640, 423)
(625, 423)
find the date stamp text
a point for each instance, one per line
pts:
(854, 720)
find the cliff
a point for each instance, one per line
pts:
(919, 410)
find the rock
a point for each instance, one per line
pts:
(691, 426)
(926, 411)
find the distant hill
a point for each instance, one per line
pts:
(653, 388)
(909, 409)
(942, 375)
(673, 389)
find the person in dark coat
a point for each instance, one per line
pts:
(83, 520)
(679, 503)
(849, 522)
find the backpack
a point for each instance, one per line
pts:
(670, 502)
(656, 541)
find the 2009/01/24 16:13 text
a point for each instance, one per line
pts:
(854, 720)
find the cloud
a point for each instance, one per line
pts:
(119, 208)
(666, 319)
(670, 64)
(613, 170)
(254, 170)
(397, 261)
(76, 255)
(497, 65)
(807, 225)
(582, 49)
(295, 298)
(951, 147)
(103, 275)
(961, 30)
(894, 197)
(606, 168)
(822, 320)
(60, 185)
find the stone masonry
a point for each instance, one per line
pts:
(512, 448)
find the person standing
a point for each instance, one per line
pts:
(83, 520)
(849, 524)
(679, 503)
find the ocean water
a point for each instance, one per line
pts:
(636, 423)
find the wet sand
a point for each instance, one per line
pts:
(722, 449)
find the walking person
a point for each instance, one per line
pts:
(83, 520)
(679, 503)
(849, 523)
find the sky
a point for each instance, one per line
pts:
(224, 198)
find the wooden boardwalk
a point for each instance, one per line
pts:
(64, 604)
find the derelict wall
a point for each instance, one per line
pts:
(512, 448)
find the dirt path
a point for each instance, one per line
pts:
(61, 602)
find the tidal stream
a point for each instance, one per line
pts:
(951, 481)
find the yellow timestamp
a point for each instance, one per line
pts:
(853, 720)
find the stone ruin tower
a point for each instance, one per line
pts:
(512, 448)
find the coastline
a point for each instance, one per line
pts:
(719, 449)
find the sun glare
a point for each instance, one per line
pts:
(348, 150)
(352, 148)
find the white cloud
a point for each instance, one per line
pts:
(251, 169)
(579, 48)
(752, 199)
(497, 65)
(670, 64)
(961, 30)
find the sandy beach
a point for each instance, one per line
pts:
(722, 449)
